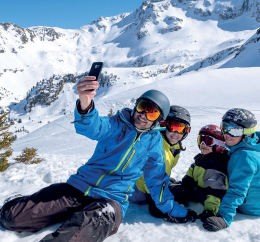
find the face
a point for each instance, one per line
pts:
(232, 141)
(173, 137)
(141, 122)
(205, 149)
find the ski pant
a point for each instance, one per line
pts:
(86, 218)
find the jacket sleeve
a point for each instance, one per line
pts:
(212, 203)
(241, 170)
(188, 182)
(93, 126)
(157, 182)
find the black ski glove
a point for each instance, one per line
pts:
(191, 216)
(205, 214)
(214, 223)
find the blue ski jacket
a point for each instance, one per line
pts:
(121, 156)
(243, 194)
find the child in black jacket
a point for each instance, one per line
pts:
(206, 180)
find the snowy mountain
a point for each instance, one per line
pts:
(203, 54)
(174, 33)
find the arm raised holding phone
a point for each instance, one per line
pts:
(87, 86)
(84, 88)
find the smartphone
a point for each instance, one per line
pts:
(95, 70)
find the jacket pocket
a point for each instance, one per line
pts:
(215, 179)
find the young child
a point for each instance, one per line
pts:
(206, 180)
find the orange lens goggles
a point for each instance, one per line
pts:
(151, 111)
(173, 126)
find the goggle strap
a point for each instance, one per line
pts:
(250, 130)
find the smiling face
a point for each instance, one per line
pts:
(205, 149)
(173, 137)
(232, 141)
(141, 122)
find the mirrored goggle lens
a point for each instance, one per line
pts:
(152, 113)
(179, 127)
(209, 141)
(231, 129)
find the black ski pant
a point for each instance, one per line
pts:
(84, 218)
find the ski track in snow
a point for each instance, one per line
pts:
(65, 151)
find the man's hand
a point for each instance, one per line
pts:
(191, 216)
(214, 224)
(84, 85)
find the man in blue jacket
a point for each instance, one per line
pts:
(239, 128)
(93, 202)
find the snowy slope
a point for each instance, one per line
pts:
(248, 55)
(202, 93)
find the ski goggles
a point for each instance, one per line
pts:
(173, 126)
(210, 141)
(232, 129)
(151, 111)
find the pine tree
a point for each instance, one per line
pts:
(28, 156)
(6, 139)
(111, 112)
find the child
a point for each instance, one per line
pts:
(239, 128)
(206, 180)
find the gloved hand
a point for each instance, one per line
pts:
(205, 214)
(191, 216)
(214, 223)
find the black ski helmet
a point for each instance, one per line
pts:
(159, 99)
(181, 115)
(243, 118)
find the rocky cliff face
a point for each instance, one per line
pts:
(220, 9)
(13, 37)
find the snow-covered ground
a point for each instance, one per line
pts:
(206, 94)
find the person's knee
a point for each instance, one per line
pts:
(6, 219)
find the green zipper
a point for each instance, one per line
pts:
(161, 194)
(99, 180)
(128, 188)
(128, 162)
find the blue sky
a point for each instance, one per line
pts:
(67, 14)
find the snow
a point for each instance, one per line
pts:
(194, 66)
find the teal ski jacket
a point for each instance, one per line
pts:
(243, 194)
(121, 156)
